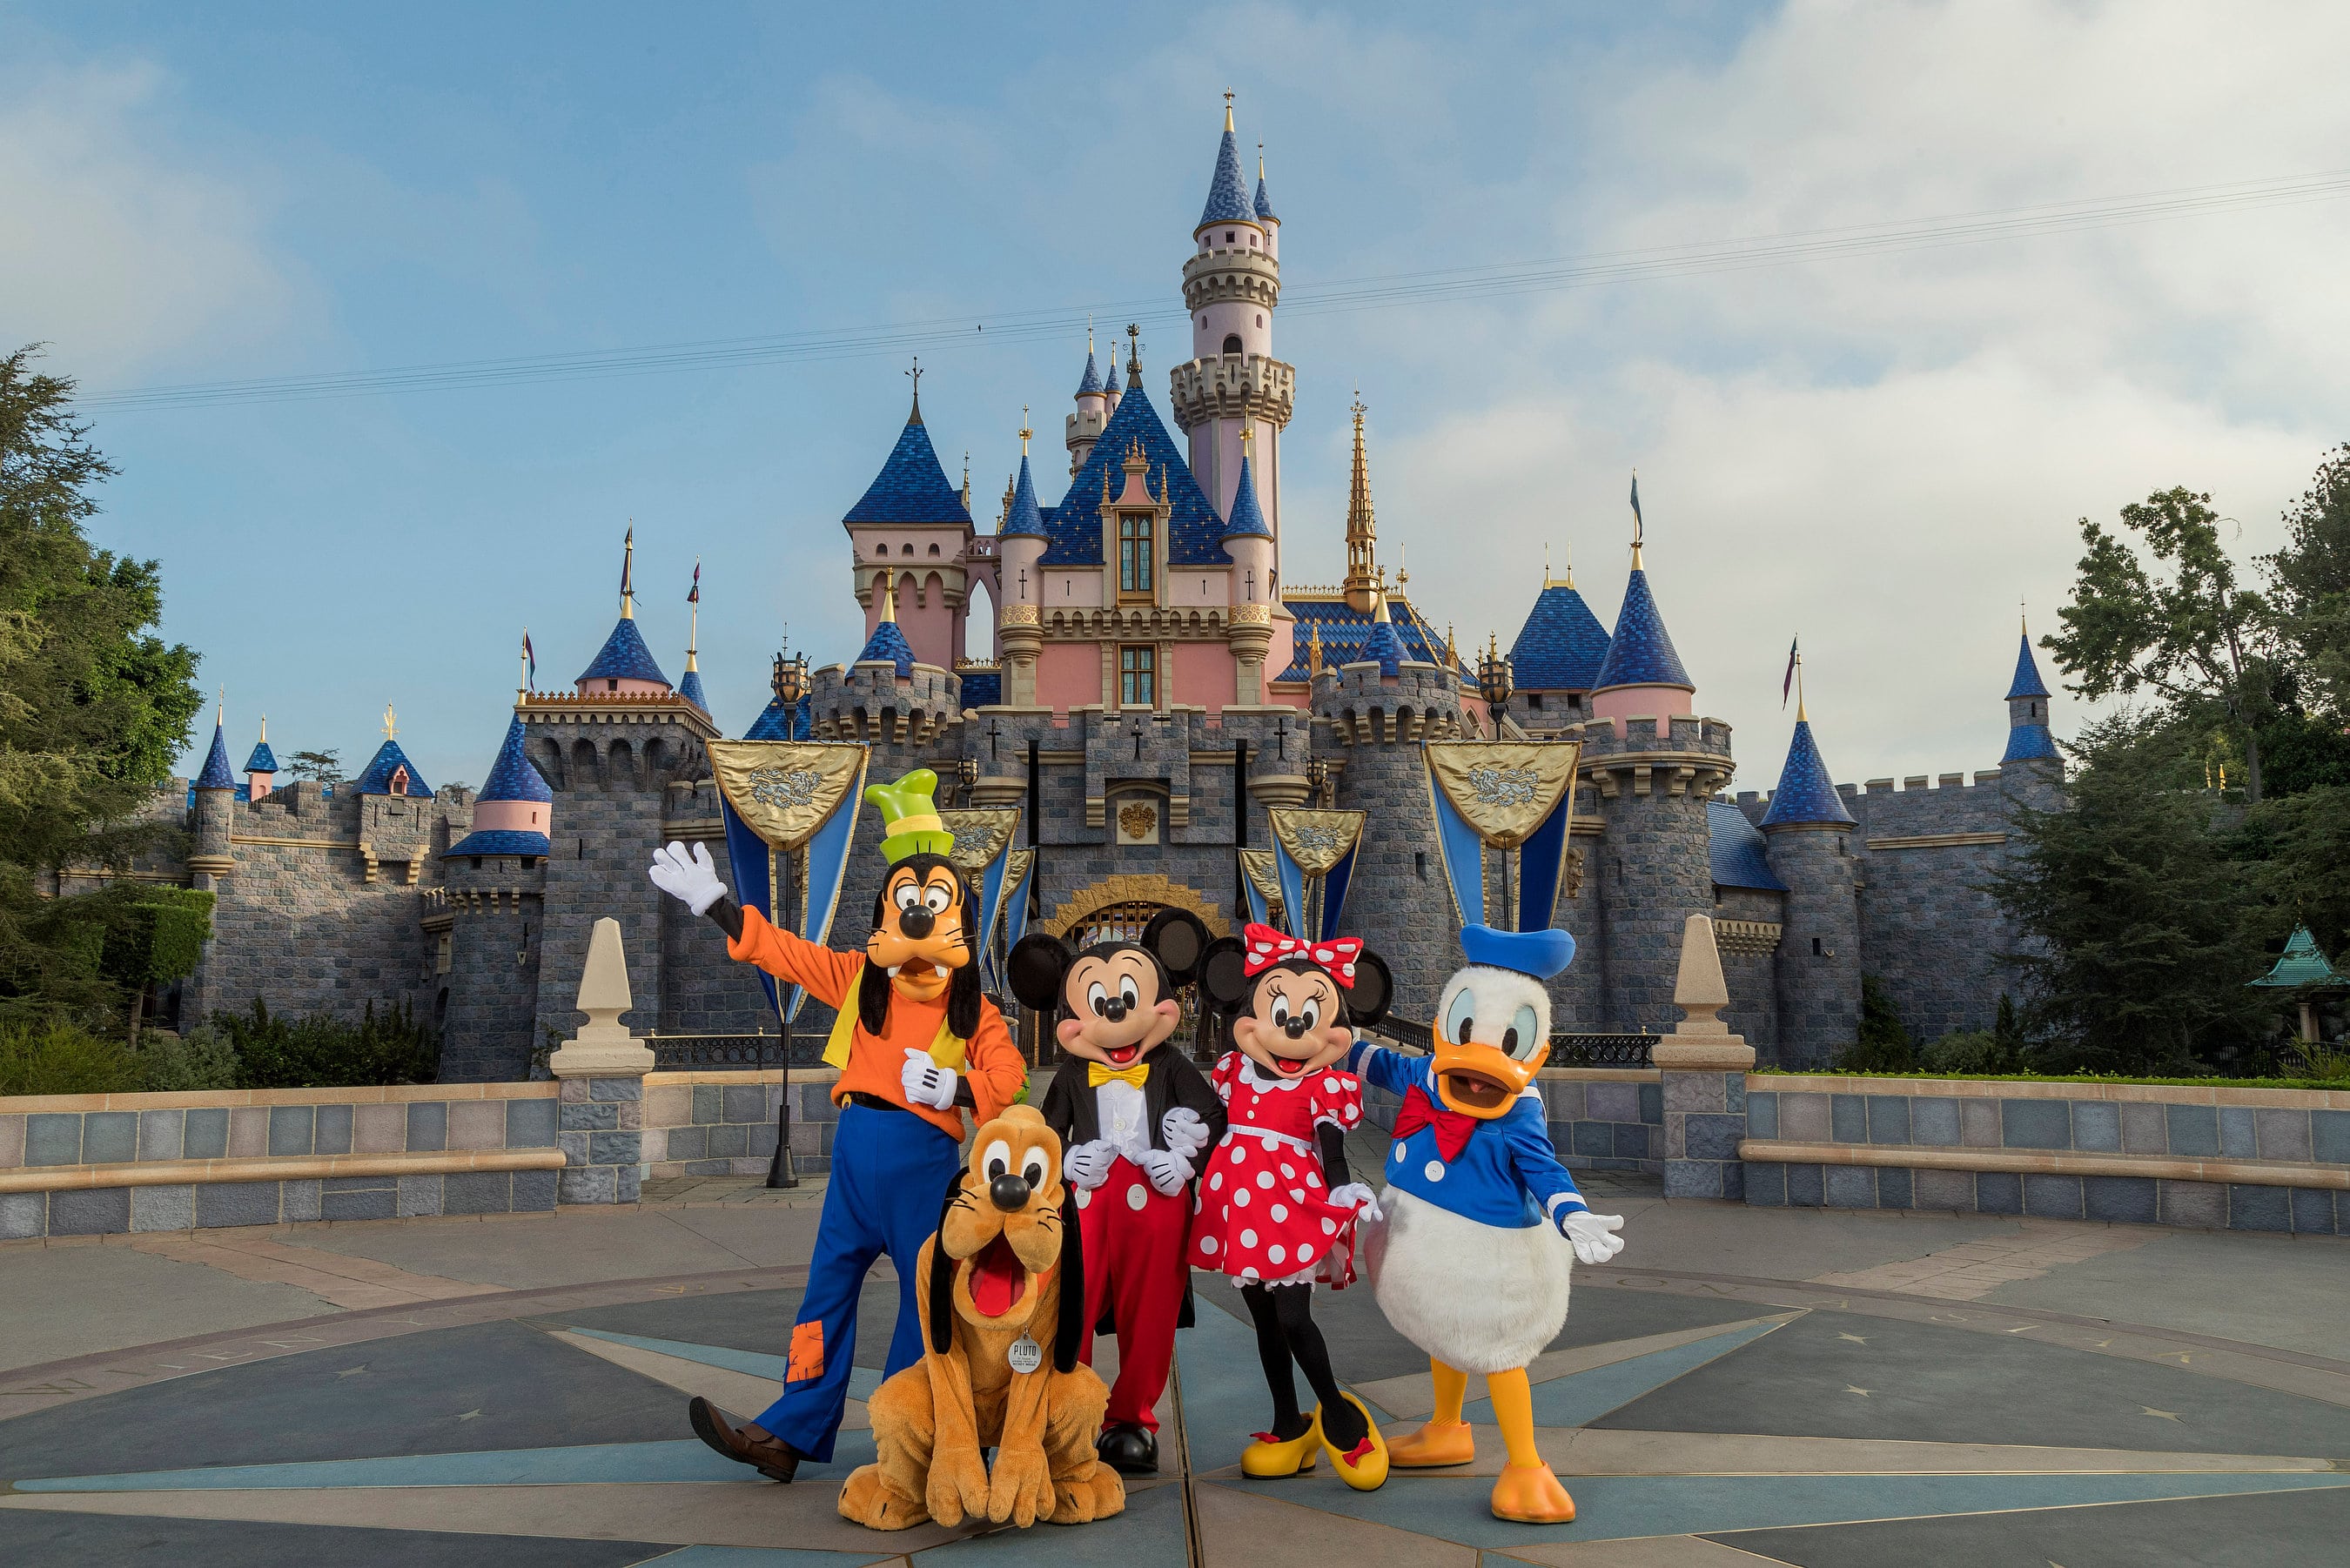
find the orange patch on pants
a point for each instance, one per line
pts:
(807, 1352)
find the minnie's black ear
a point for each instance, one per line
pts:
(1036, 964)
(1374, 989)
(1069, 1334)
(1177, 938)
(1223, 973)
(941, 1280)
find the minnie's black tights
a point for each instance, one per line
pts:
(1285, 1332)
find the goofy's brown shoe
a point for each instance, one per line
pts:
(746, 1443)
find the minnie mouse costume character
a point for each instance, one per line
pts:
(1133, 1117)
(1277, 1208)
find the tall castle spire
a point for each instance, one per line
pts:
(1362, 530)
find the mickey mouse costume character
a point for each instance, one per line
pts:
(1472, 1263)
(916, 1043)
(1277, 1208)
(1134, 1117)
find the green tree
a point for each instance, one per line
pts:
(94, 706)
(314, 765)
(1883, 1043)
(2188, 632)
(2309, 588)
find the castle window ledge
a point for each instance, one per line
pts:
(1935, 841)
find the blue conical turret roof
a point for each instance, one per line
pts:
(1641, 652)
(390, 759)
(1265, 203)
(777, 722)
(2027, 681)
(1092, 382)
(1562, 644)
(689, 688)
(1246, 517)
(1025, 520)
(911, 487)
(1806, 793)
(624, 657)
(1109, 383)
(513, 776)
(1194, 529)
(889, 643)
(262, 761)
(1228, 197)
(216, 774)
(2029, 744)
(1384, 643)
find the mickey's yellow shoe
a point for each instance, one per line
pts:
(1365, 1468)
(1271, 1457)
(1530, 1494)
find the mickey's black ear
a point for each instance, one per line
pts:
(1223, 973)
(941, 1280)
(1036, 964)
(1177, 940)
(1374, 989)
(1069, 1334)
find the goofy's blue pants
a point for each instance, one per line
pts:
(890, 1170)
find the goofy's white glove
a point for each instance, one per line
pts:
(1593, 1235)
(1168, 1170)
(692, 880)
(1087, 1164)
(926, 1083)
(1360, 1199)
(1185, 1133)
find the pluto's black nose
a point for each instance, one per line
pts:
(1009, 1193)
(917, 922)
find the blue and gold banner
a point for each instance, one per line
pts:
(1505, 797)
(983, 852)
(1261, 881)
(790, 807)
(1313, 860)
(1018, 866)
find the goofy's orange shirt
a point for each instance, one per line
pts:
(877, 1063)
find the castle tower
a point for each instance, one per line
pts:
(215, 791)
(492, 921)
(1818, 963)
(1111, 390)
(2027, 737)
(913, 527)
(1362, 530)
(1642, 675)
(1249, 630)
(1082, 429)
(1019, 632)
(624, 665)
(1555, 660)
(1231, 285)
(260, 768)
(689, 686)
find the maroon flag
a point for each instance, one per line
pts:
(1787, 684)
(694, 597)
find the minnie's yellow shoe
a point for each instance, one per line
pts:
(1365, 1468)
(1270, 1457)
(1530, 1494)
(1436, 1443)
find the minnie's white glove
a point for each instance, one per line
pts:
(1360, 1199)
(692, 880)
(1086, 1166)
(1167, 1170)
(927, 1082)
(1594, 1235)
(1185, 1133)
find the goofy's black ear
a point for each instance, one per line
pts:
(1223, 973)
(1036, 964)
(1374, 989)
(1177, 940)
(1069, 1334)
(941, 1280)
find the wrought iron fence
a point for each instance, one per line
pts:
(722, 1053)
(1567, 1048)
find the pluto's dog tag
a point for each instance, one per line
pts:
(1025, 1355)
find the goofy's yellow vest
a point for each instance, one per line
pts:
(946, 1049)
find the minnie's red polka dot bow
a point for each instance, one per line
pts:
(1267, 946)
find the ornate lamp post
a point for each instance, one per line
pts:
(790, 682)
(967, 773)
(1494, 683)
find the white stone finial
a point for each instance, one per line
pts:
(1698, 989)
(603, 1048)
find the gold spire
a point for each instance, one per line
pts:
(1228, 109)
(1313, 649)
(390, 722)
(889, 596)
(966, 481)
(693, 610)
(264, 727)
(1025, 431)
(522, 673)
(1379, 604)
(1638, 527)
(1362, 529)
(627, 572)
(1451, 658)
(1801, 717)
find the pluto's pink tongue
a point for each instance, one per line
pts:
(997, 1278)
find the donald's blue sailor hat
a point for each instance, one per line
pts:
(1541, 954)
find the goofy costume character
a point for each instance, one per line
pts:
(917, 1044)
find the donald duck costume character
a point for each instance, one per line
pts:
(1471, 1264)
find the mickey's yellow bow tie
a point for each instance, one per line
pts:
(1100, 1073)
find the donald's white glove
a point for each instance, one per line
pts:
(1086, 1166)
(1360, 1199)
(1594, 1235)
(692, 880)
(1185, 1133)
(1167, 1170)
(927, 1082)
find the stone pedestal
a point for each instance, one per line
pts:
(1703, 1066)
(599, 1122)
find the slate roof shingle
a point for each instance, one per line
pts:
(1738, 852)
(1641, 652)
(911, 487)
(624, 657)
(1806, 793)
(1562, 644)
(1194, 528)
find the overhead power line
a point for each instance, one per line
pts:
(1305, 297)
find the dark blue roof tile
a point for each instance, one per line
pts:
(624, 657)
(689, 687)
(1247, 517)
(216, 774)
(1347, 630)
(2027, 681)
(1562, 644)
(1075, 526)
(388, 760)
(1024, 521)
(1641, 651)
(1806, 793)
(1265, 203)
(2029, 744)
(498, 841)
(1091, 383)
(775, 723)
(512, 775)
(262, 761)
(1228, 197)
(1738, 850)
(1386, 645)
(911, 487)
(981, 688)
(1109, 383)
(889, 643)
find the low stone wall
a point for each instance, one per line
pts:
(1601, 1118)
(84, 1164)
(723, 1123)
(2215, 1158)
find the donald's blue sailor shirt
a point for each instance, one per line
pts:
(1507, 1176)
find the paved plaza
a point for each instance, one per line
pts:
(1742, 1386)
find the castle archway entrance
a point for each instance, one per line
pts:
(1117, 908)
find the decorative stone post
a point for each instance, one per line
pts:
(1704, 1069)
(602, 1068)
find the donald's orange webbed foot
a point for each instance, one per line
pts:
(1435, 1443)
(1530, 1494)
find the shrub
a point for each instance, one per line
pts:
(62, 1058)
(320, 1051)
(1884, 1044)
(1965, 1051)
(202, 1058)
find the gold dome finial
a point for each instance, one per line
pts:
(1025, 431)
(889, 595)
(1228, 108)
(390, 722)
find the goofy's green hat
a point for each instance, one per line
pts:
(910, 816)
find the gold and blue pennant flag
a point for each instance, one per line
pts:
(790, 809)
(983, 852)
(1505, 797)
(1313, 860)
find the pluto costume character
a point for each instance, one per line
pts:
(916, 1043)
(1471, 1265)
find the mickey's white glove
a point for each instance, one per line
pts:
(1086, 1166)
(927, 1082)
(1594, 1235)
(1185, 1133)
(1359, 1197)
(1167, 1170)
(692, 880)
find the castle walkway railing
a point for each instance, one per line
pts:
(1567, 1048)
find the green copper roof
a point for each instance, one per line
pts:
(2302, 965)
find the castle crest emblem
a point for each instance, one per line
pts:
(1136, 820)
(785, 789)
(1314, 841)
(1503, 786)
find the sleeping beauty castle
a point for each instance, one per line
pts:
(1163, 678)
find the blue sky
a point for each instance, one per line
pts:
(1883, 451)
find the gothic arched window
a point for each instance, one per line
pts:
(1232, 342)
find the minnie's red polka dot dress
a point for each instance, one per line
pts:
(1262, 1214)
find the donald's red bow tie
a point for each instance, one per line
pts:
(1267, 946)
(1453, 1128)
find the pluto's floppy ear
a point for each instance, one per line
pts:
(1374, 989)
(941, 1280)
(1224, 974)
(1069, 1334)
(1178, 941)
(1036, 964)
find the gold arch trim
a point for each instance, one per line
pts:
(1134, 888)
